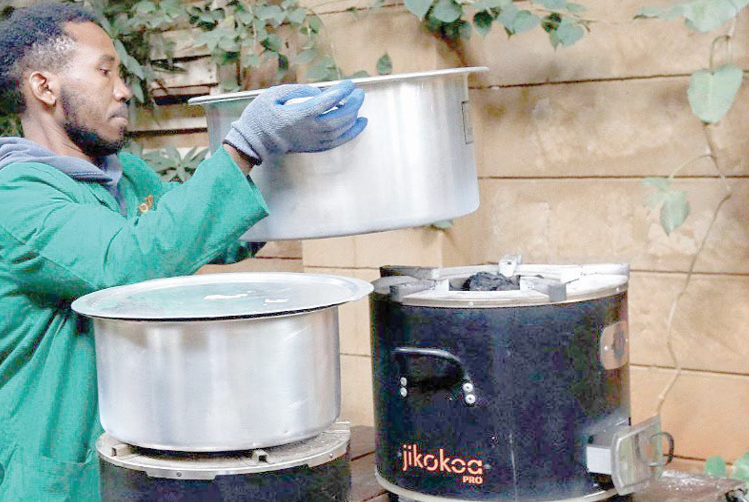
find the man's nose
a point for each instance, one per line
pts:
(121, 91)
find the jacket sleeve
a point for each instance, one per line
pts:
(237, 250)
(56, 245)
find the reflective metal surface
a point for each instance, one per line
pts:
(614, 344)
(405, 495)
(323, 448)
(218, 385)
(220, 296)
(637, 456)
(433, 287)
(413, 164)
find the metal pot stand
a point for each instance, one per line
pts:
(315, 470)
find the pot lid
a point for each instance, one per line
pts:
(221, 296)
(509, 283)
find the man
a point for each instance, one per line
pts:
(76, 217)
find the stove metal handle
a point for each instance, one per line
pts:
(467, 385)
(671, 446)
(737, 496)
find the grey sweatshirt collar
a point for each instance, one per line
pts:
(23, 150)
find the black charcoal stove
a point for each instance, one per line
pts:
(518, 391)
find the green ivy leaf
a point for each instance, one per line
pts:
(304, 57)
(442, 225)
(675, 210)
(229, 44)
(244, 17)
(483, 22)
(146, 7)
(711, 94)
(321, 70)
(268, 12)
(297, 16)
(384, 65)
(741, 468)
(359, 74)
(569, 33)
(133, 66)
(208, 38)
(575, 8)
(273, 43)
(315, 23)
(658, 182)
(551, 4)
(465, 30)
(715, 466)
(662, 186)
(447, 11)
(419, 8)
(250, 60)
(485, 5)
(525, 21)
(229, 85)
(137, 90)
(699, 15)
(517, 21)
(507, 17)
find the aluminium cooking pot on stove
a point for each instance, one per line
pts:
(413, 165)
(219, 362)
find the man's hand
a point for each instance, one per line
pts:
(272, 125)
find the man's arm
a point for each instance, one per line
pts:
(59, 246)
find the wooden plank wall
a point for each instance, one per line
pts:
(563, 140)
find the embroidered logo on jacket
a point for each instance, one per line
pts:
(146, 205)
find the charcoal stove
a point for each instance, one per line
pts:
(516, 392)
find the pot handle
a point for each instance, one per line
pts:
(431, 369)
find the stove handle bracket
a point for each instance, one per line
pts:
(401, 354)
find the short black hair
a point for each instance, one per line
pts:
(34, 38)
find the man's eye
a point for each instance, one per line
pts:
(105, 71)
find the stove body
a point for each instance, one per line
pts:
(514, 395)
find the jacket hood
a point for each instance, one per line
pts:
(23, 150)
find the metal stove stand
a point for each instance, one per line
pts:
(314, 470)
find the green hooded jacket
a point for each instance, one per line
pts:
(61, 239)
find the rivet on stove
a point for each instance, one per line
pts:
(404, 392)
(404, 381)
(470, 398)
(468, 387)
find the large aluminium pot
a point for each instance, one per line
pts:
(413, 165)
(219, 362)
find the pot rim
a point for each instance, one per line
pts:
(95, 305)
(380, 79)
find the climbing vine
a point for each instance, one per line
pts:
(711, 93)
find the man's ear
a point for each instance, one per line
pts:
(44, 86)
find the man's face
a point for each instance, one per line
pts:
(93, 96)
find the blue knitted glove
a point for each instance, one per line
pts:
(271, 125)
